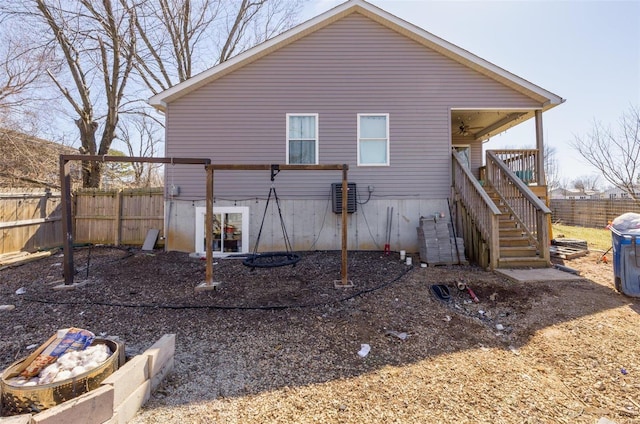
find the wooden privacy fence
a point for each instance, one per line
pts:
(593, 213)
(117, 216)
(30, 219)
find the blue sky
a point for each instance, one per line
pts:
(587, 52)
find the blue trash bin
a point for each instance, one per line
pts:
(626, 261)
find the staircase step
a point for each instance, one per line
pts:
(514, 241)
(510, 229)
(522, 263)
(517, 251)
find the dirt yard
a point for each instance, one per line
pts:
(281, 345)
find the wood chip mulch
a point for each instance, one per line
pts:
(281, 345)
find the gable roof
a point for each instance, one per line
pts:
(547, 98)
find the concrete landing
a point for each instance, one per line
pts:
(537, 275)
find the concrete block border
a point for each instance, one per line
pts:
(119, 397)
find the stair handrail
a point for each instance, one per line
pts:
(530, 211)
(484, 212)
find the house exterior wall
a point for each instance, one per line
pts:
(352, 66)
(311, 224)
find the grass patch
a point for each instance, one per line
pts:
(597, 239)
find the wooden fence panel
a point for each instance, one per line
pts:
(141, 212)
(94, 218)
(593, 213)
(117, 216)
(30, 219)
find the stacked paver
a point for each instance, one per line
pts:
(438, 246)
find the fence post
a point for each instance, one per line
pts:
(118, 217)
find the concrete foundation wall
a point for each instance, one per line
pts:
(311, 224)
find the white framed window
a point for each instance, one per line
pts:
(302, 138)
(373, 139)
(230, 230)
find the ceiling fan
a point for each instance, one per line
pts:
(465, 129)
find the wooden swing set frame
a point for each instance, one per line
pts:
(65, 184)
(209, 284)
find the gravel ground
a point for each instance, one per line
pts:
(281, 345)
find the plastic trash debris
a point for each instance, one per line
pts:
(21, 290)
(623, 371)
(7, 307)
(364, 350)
(499, 327)
(401, 336)
(447, 318)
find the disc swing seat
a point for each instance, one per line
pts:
(272, 259)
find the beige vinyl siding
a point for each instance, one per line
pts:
(351, 66)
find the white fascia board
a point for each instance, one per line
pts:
(381, 16)
(460, 55)
(160, 100)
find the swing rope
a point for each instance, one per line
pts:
(272, 259)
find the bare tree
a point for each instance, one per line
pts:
(141, 136)
(551, 167)
(99, 46)
(615, 152)
(178, 38)
(587, 182)
(23, 77)
(88, 38)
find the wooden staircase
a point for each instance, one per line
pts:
(516, 250)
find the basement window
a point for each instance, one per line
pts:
(230, 230)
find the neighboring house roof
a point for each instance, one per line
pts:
(618, 190)
(28, 162)
(563, 193)
(546, 98)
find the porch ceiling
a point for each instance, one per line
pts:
(481, 124)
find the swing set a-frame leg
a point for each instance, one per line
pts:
(344, 282)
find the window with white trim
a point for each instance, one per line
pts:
(230, 230)
(302, 138)
(373, 139)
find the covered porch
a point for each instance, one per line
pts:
(500, 196)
